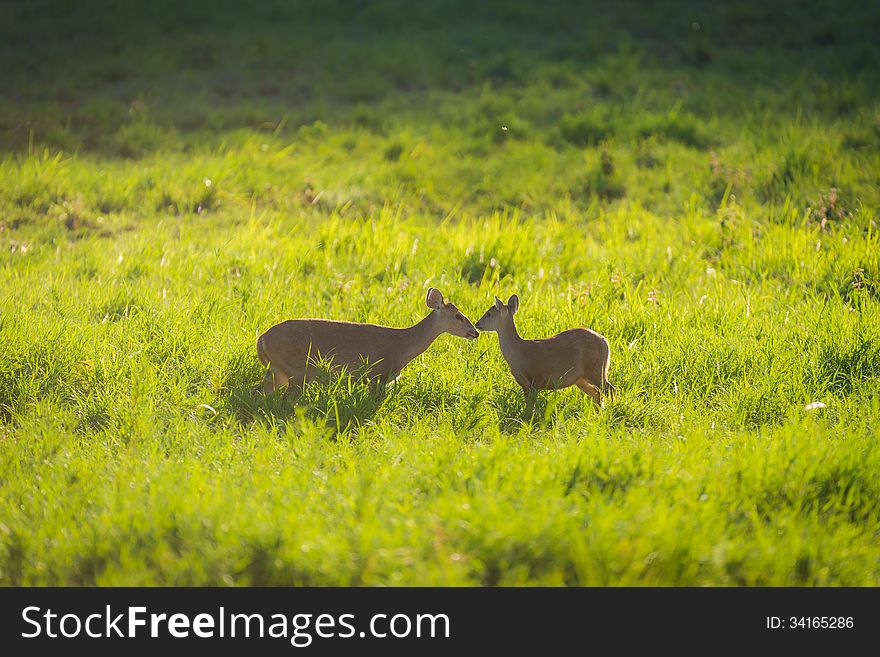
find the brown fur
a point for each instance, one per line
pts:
(578, 356)
(291, 349)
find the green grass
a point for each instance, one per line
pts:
(699, 184)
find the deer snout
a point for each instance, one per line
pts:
(473, 334)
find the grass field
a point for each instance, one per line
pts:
(700, 184)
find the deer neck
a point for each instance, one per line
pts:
(417, 338)
(509, 340)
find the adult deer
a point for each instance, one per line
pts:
(292, 348)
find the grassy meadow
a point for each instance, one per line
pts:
(700, 184)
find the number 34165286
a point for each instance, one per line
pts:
(810, 622)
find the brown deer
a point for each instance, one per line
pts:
(291, 350)
(575, 357)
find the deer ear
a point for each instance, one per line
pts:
(513, 304)
(434, 299)
(499, 304)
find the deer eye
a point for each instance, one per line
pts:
(459, 316)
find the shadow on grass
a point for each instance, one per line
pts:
(468, 415)
(340, 401)
(630, 410)
(337, 401)
(516, 412)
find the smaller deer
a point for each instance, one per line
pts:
(575, 357)
(292, 348)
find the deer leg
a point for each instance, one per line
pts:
(273, 380)
(591, 390)
(523, 383)
(530, 392)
